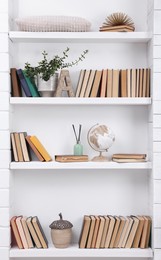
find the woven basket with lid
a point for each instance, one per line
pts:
(61, 232)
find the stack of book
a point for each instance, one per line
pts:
(119, 28)
(115, 232)
(122, 157)
(114, 83)
(71, 158)
(21, 83)
(20, 144)
(27, 232)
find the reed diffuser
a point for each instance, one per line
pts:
(78, 148)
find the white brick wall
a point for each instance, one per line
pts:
(5, 237)
(4, 198)
(4, 6)
(157, 236)
(5, 140)
(5, 217)
(157, 4)
(4, 253)
(5, 81)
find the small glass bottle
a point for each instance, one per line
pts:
(78, 148)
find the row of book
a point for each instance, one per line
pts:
(115, 232)
(21, 83)
(114, 83)
(27, 232)
(123, 158)
(22, 144)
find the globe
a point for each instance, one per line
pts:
(100, 138)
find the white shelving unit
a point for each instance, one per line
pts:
(85, 37)
(74, 251)
(80, 166)
(88, 188)
(80, 101)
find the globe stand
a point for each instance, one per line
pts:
(100, 158)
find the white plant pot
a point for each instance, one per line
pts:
(47, 88)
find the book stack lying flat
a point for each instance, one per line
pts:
(120, 28)
(27, 232)
(114, 83)
(21, 142)
(115, 232)
(129, 157)
(71, 158)
(21, 83)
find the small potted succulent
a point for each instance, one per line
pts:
(61, 232)
(46, 72)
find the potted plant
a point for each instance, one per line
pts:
(46, 72)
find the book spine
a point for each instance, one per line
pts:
(31, 85)
(24, 84)
(16, 89)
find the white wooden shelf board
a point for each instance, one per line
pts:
(74, 251)
(35, 165)
(79, 101)
(19, 36)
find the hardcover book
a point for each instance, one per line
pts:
(33, 233)
(21, 232)
(71, 158)
(16, 233)
(34, 149)
(24, 84)
(15, 84)
(39, 231)
(84, 232)
(40, 148)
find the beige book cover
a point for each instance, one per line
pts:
(121, 227)
(140, 82)
(115, 83)
(15, 233)
(132, 232)
(110, 231)
(137, 82)
(27, 233)
(14, 149)
(96, 84)
(80, 81)
(33, 232)
(21, 232)
(138, 234)
(39, 231)
(123, 232)
(90, 83)
(148, 232)
(95, 232)
(144, 82)
(91, 232)
(129, 92)
(116, 228)
(105, 230)
(84, 232)
(103, 83)
(148, 83)
(109, 83)
(100, 232)
(133, 82)
(85, 83)
(144, 233)
(24, 147)
(18, 147)
(131, 221)
(123, 74)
